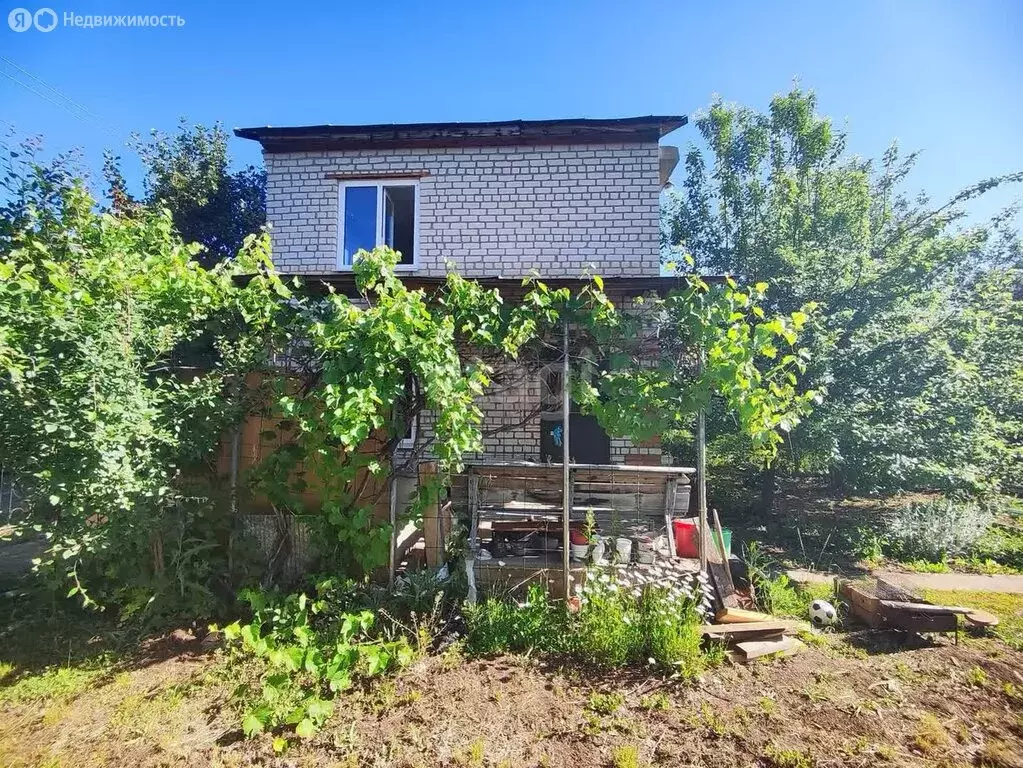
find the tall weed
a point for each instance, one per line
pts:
(614, 625)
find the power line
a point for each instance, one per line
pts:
(86, 114)
(43, 96)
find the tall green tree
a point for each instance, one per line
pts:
(189, 173)
(916, 307)
(111, 435)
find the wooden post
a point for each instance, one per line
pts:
(670, 490)
(566, 480)
(701, 470)
(473, 548)
(393, 516)
(433, 536)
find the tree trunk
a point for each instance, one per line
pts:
(768, 488)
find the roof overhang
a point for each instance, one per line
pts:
(509, 287)
(434, 135)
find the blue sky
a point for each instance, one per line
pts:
(943, 77)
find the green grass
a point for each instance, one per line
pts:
(1008, 608)
(605, 703)
(655, 701)
(786, 598)
(626, 756)
(923, 566)
(787, 758)
(54, 684)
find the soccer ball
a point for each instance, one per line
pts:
(822, 613)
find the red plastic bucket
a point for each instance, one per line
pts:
(685, 538)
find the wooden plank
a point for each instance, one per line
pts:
(983, 619)
(720, 577)
(754, 649)
(864, 606)
(433, 526)
(913, 621)
(616, 468)
(922, 607)
(670, 491)
(721, 548)
(473, 548)
(746, 628)
(739, 616)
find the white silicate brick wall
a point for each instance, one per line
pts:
(562, 210)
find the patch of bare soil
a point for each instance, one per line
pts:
(861, 700)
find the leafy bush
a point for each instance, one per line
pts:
(607, 628)
(304, 662)
(936, 529)
(497, 625)
(613, 626)
(1001, 545)
(121, 366)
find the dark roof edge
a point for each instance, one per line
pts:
(500, 133)
(344, 282)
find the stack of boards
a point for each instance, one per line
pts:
(752, 635)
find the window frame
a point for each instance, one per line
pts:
(379, 184)
(408, 443)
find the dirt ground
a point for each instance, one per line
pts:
(860, 700)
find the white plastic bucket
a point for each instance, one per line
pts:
(624, 548)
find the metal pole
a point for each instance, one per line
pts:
(393, 518)
(566, 487)
(701, 471)
(236, 440)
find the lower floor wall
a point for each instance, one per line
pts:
(515, 412)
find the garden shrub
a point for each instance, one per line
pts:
(496, 624)
(612, 626)
(307, 658)
(934, 530)
(122, 364)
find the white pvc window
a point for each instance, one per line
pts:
(372, 213)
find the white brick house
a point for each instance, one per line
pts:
(496, 200)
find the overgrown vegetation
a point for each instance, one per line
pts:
(919, 327)
(946, 533)
(772, 590)
(120, 360)
(610, 626)
(309, 653)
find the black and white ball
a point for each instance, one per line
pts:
(822, 613)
